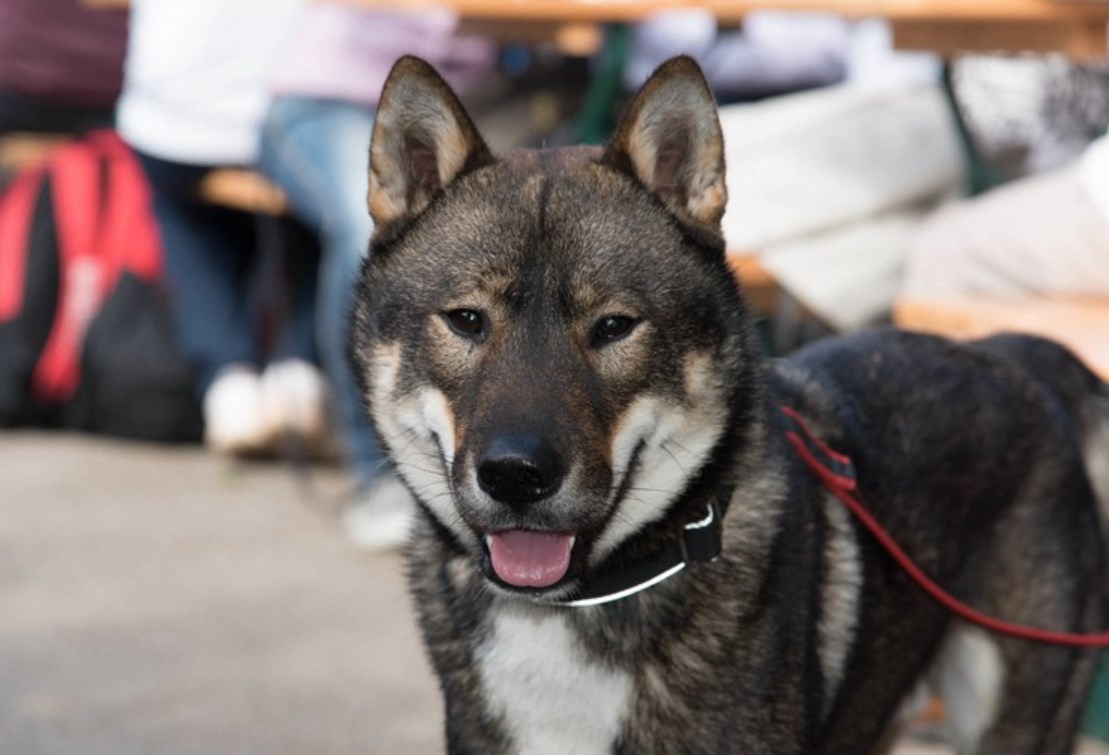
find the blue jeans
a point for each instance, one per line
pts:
(317, 151)
(212, 270)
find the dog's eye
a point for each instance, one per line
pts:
(612, 328)
(469, 323)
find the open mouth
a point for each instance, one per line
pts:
(530, 558)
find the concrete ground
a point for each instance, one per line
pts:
(158, 600)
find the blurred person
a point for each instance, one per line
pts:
(833, 185)
(315, 145)
(61, 65)
(193, 99)
(1029, 114)
(1045, 234)
(836, 147)
(771, 53)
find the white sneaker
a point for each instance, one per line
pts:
(381, 520)
(294, 398)
(235, 420)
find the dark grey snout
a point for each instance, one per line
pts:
(519, 469)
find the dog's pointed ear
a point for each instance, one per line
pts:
(422, 141)
(670, 141)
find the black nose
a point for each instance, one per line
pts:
(519, 469)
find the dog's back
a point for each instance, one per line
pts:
(1081, 394)
(970, 455)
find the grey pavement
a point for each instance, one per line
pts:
(160, 600)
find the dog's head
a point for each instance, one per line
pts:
(551, 343)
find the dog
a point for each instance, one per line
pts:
(617, 550)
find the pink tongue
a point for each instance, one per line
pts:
(525, 558)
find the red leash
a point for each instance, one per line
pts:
(838, 474)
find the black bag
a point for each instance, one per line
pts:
(86, 340)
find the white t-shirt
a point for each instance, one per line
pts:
(195, 78)
(1093, 172)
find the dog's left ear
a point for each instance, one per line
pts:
(670, 141)
(422, 141)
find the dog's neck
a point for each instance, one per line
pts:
(698, 541)
(692, 534)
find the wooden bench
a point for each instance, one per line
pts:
(19, 150)
(1080, 324)
(244, 190)
(761, 289)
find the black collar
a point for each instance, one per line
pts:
(699, 541)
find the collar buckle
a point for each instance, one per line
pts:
(702, 540)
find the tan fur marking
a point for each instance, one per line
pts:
(385, 364)
(453, 150)
(677, 437)
(641, 149)
(417, 104)
(419, 430)
(383, 208)
(671, 101)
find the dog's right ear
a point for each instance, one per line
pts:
(422, 141)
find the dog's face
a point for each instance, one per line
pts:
(548, 344)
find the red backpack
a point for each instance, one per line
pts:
(85, 334)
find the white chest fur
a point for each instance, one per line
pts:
(550, 696)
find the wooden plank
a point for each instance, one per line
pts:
(1080, 324)
(760, 288)
(1076, 28)
(943, 26)
(734, 10)
(575, 38)
(1078, 40)
(19, 150)
(243, 190)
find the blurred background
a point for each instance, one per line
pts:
(198, 529)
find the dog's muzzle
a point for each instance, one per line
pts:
(518, 471)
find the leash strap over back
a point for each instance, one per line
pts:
(837, 472)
